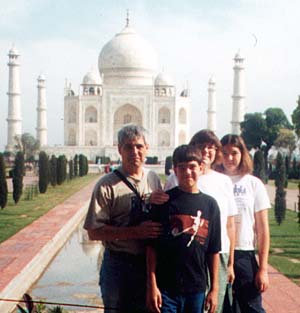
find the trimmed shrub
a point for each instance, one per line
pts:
(168, 165)
(280, 200)
(43, 172)
(259, 166)
(3, 183)
(18, 173)
(53, 171)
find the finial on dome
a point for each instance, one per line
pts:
(127, 18)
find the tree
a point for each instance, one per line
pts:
(253, 129)
(18, 173)
(53, 171)
(43, 172)
(3, 183)
(286, 139)
(27, 144)
(261, 130)
(259, 166)
(280, 200)
(296, 118)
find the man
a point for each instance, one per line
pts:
(114, 216)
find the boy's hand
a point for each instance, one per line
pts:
(211, 301)
(158, 197)
(154, 300)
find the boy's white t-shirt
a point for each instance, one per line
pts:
(251, 197)
(219, 187)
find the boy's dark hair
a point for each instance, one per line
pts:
(186, 153)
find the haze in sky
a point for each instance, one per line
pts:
(194, 40)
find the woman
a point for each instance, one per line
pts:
(219, 187)
(251, 222)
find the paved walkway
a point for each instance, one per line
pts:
(18, 251)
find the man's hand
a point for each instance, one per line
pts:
(262, 280)
(158, 197)
(148, 229)
(211, 301)
(154, 300)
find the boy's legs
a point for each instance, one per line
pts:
(194, 303)
(246, 295)
(175, 303)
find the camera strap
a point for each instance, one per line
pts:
(128, 183)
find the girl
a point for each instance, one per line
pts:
(252, 221)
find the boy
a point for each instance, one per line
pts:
(177, 260)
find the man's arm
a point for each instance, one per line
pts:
(231, 235)
(212, 296)
(263, 242)
(145, 230)
(154, 300)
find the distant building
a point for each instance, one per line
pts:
(127, 90)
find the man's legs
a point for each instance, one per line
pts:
(122, 283)
(247, 299)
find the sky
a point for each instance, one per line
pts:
(194, 41)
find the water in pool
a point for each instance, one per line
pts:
(72, 276)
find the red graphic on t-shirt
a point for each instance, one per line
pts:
(195, 226)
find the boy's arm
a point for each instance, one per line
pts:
(154, 300)
(212, 296)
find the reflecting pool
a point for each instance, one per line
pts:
(72, 276)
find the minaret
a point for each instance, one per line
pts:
(211, 108)
(41, 126)
(238, 106)
(14, 119)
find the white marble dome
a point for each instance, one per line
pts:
(127, 55)
(91, 78)
(164, 79)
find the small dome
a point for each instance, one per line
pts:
(41, 77)
(238, 56)
(13, 51)
(212, 80)
(91, 78)
(163, 79)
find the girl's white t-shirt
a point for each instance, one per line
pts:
(219, 187)
(251, 197)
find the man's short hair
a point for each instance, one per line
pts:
(186, 153)
(131, 132)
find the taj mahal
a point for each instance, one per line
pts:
(128, 88)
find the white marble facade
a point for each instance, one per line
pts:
(127, 89)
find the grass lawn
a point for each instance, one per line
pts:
(293, 183)
(14, 217)
(285, 245)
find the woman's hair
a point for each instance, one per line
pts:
(208, 137)
(186, 153)
(246, 164)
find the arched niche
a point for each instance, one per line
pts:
(91, 115)
(126, 114)
(164, 116)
